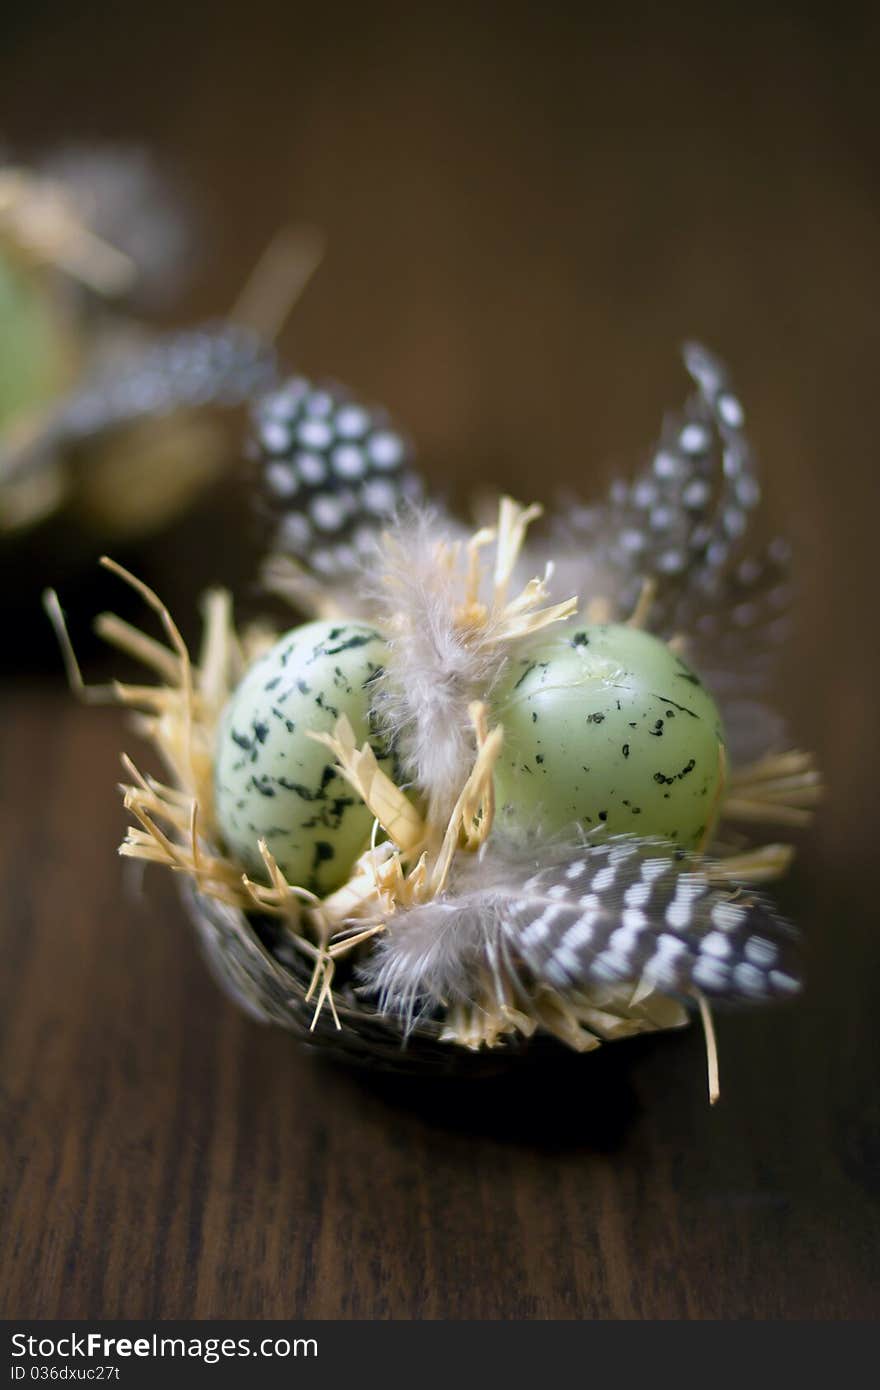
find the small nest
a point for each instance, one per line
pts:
(290, 959)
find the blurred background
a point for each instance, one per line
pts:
(526, 210)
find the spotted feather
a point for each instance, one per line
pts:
(216, 365)
(683, 522)
(332, 474)
(622, 911)
(633, 910)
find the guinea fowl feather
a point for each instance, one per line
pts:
(684, 523)
(625, 910)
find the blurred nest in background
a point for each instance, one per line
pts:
(107, 421)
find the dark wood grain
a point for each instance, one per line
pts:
(526, 212)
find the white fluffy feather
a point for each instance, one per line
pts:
(438, 953)
(435, 669)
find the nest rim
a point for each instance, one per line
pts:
(237, 955)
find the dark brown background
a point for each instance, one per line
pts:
(527, 209)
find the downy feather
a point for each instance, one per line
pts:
(435, 668)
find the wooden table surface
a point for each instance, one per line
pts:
(527, 209)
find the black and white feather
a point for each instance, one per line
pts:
(683, 521)
(625, 911)
(684, 524)
(217, 365)
(332, 473)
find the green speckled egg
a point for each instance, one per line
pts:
(605, 726)
(271, 781)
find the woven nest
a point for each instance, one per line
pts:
(274, 985)
(292, 960)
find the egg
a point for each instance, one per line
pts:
(607, 728)
(273, 782)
